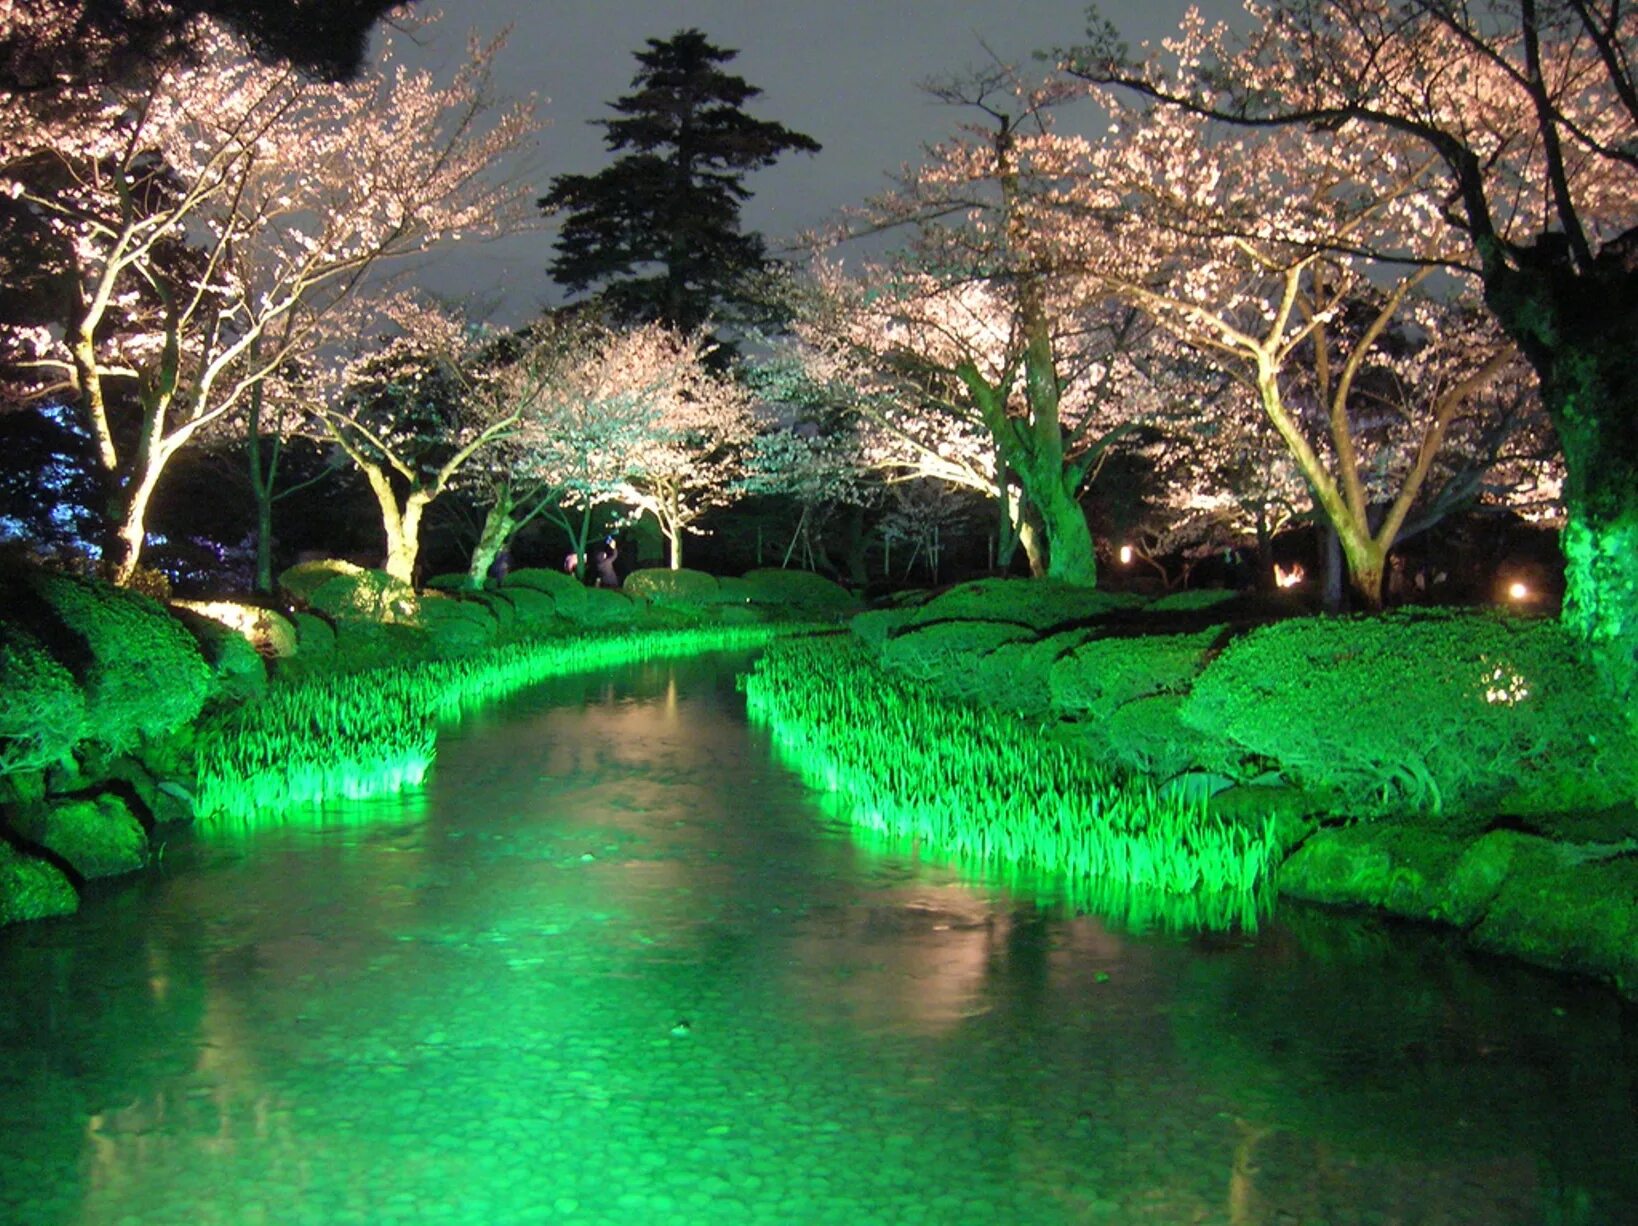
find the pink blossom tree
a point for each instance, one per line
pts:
(1526, 113)
(209, 218)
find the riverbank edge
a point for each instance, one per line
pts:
(1566, 906)
(107, 824)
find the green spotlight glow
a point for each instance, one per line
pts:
(374, 733)
(974, 784)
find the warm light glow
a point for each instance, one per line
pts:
(1518, 590)
(1125, 554)
(1287, 578)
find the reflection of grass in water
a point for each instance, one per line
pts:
(373, 733)
(980, 787)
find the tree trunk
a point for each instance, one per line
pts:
(493, 538)
(1580, 333)
(1070, 557)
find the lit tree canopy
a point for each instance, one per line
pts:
(1527, 111)
(206, 221)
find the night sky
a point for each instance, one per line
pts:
(844, 72)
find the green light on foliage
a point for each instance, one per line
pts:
(970, 782)
(375, 733)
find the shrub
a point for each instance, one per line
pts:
(239, 670)
(42, 713)
(1017, 676)
(368, 595)
(366, 644)
(298, 583)
(1148, 735)
(498, 606)
(1190, 600)
(457, 627)
(663, 586)
(604, 606)
(874, 626)
(314, 636)
(1102, 674)
(943, 652)
(734, 590)
(1038, 603)
(139, 670)
(801, 591)
(1431, 710)
(566, 590)
(460, 582)
(533, 610)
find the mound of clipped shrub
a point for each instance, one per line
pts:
(535, 611)
(800, 591)
(605, 606)
(369, 595)
(1101, 674)
(42, 712)
(1429, 711)
(297, 583)
(565, 589)
(139, 672)
(674, 587)
(942, 653)
(457, 627)
(1041, 604)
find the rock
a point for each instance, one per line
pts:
(98, 836)
(1401, 869)
(31, 888)
(1556, 910)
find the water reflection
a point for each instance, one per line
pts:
(615, 964)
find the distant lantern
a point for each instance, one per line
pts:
(1125, 554)
(1518, 590)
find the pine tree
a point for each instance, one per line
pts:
(657, 233)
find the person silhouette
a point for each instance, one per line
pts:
(602, 559)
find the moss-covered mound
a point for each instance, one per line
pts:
(32, 888)
(1572, 907)
(1433, 712)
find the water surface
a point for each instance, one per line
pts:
(617, 964)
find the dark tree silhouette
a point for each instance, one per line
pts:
(657, 232)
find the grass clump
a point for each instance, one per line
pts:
(364, 734)
(982, 786)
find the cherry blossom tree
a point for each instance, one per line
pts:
(209, 219)
(1244, 246)
(584, 395)
(407, 412)
(1527, 112)
(685, 452)
(990, 327)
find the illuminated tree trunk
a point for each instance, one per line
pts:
(499, 526)
(1579, 329)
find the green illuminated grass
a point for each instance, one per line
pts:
(366, 734)
(980, 785)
